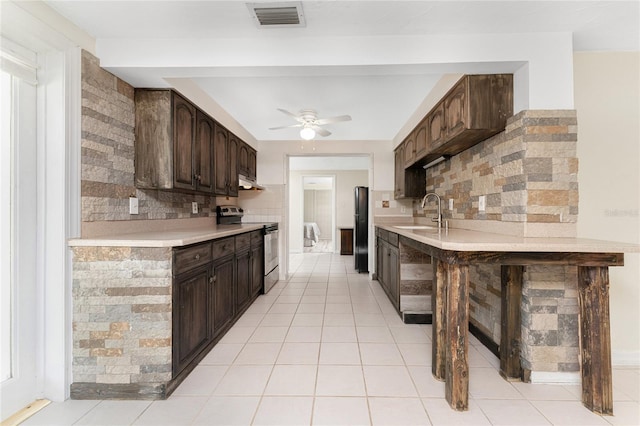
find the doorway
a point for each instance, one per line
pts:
(346, 171)
(318, 214)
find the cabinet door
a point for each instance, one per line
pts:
(252, 164)
(191, 310)
(243, 279)
(184, 115)
(223, 298)
(243, 159)
(399, 172)
(220, 160)
(205, 130)
(436, 127)
(385, 265)
(409, 150)
(232, 164)
(379, 263)
(393, 285)
(421, 140)
(257, 269)
(456, 111)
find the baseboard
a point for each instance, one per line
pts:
(625, 359)
(416, 318)
(485, 340)
(556, 377)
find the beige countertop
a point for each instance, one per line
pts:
(165, 238)
(466, 240)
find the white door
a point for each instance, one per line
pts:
(19, 301)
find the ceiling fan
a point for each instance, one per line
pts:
(310, 123)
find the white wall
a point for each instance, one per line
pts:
(548, 57)
(272, 158)
(607, 88)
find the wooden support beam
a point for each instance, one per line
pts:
(595, 339)
(438, 323)
(510, 331)
(457, 340)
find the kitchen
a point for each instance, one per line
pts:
(542, 94)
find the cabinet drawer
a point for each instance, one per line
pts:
(223, 247)
(393, 239)
(383, 234)
(256, 238)
(243, 241)
(188, 258)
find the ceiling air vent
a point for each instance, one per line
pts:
(274, 15)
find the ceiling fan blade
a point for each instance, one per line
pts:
(285, 127)
(321, 131)
(334, 119)
(295, 116)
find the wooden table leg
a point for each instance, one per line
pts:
(438, 315)
(457, 340)
(595, 338)
(510, 330)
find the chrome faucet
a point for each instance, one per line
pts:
(437, 218)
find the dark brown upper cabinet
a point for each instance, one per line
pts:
(253, 166)
(179, 147)
(174, 142)
(410, 182)
(409, 150)
(436, 127)
(421, 139)
(225, 162)
(247, 161)
(205, 130)
(476, 108)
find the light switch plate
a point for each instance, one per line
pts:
(194, 207)
(133, 205)
(450, 203)
(482, 203)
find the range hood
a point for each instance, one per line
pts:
(244, 183)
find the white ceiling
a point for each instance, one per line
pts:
(380, 97)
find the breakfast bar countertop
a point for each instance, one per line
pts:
(165, 238)
(453, 251)
(467, 240)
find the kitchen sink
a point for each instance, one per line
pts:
(415, 227)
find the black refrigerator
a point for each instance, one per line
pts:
(361, 229)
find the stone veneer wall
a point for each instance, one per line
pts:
(121, 315)
(528, 174)
(108, 118)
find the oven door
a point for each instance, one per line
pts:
(270, 250)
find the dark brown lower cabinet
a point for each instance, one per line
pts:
(191, 295)
(213, 284)
(346, 241)
(388, 266)
(243, 289)
(222, 294)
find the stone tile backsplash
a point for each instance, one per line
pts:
(108, 168)
(528, 173)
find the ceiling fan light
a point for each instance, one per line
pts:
(307, 133)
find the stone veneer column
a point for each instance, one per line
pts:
(121, 322)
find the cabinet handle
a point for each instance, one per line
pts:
(197, 257)
(211, 280)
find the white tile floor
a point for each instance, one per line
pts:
(327, 348)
